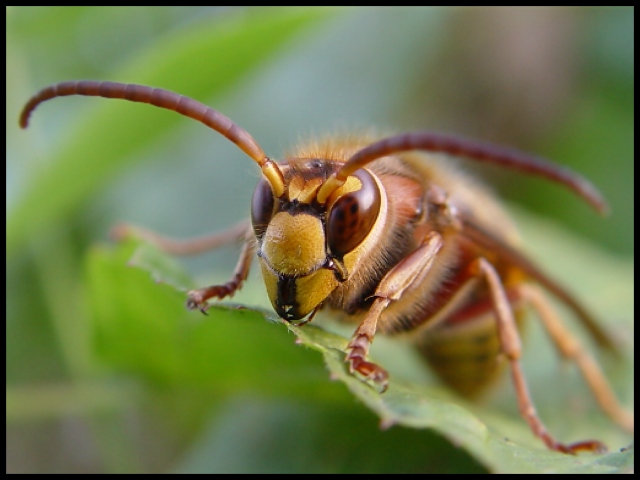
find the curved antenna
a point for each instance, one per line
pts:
(171, 101)
(463, 147)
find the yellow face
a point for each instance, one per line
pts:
(304, 246)
(292, 258)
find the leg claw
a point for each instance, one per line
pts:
(370, 371)
(195, 301)
(592, 446)
(373, 373)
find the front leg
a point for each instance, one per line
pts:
(407, 273)
(192, 246)
(198, 298)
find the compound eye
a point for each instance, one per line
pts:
(261, 207)
(352, 216)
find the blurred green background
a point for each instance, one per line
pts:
(87, 395)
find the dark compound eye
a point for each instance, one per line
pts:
(352, 216)
(261, 207)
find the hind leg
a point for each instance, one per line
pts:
(571, 349)
(511, 347)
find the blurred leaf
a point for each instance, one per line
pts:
(254, 435)
(107, 139)
(50, 401)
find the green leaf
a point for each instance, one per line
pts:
(143, 328)
(163, 269)
(415, 406)
(218, 52)
(257, 435)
